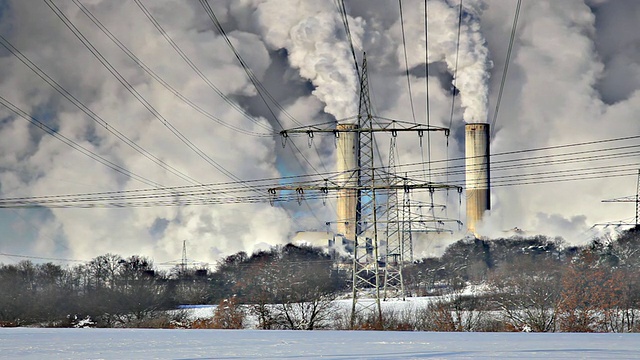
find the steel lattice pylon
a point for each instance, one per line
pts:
(365, 253)
(393, 282)
(407, 231)
(371, 182)
(633, 198)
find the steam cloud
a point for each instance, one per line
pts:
(314, 35)
(466, 56)
(574, 76)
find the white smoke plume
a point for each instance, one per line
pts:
(463, 49)
(574, 76)
(315, 37)
(558, 91)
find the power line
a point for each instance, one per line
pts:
(345, 22)
(74, 145)
(545, 160)
(427, 109)
(165, 84)
(41, 258)
(455, 68)
(426, 61)
(426, 85)
(150, 197)
(524, 151)
(191, 64)
(131, 89)
(406, 62)
(91, 114)
(260, 88)
(514, 27)
(500, 165)
(292, 197)
(550, 180)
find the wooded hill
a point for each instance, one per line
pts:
(531, 284)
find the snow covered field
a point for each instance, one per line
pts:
(38, 343)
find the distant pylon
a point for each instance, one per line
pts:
(632, 198)
(183, 263)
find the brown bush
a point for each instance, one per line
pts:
(228, 315)
(594, 298)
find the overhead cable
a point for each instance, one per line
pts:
(168, 86)
(131, 89)
(514, 28)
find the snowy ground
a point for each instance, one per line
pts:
(37, 343)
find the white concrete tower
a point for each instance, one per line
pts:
(477, 173)
(347, 157)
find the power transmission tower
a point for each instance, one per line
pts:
(366, 274)
(399, 230)
(370, 182)
(401, 224)
(407, 233)
(183, 262)
(632, 198)
(393, 281)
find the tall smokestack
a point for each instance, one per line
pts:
(477, 173)
(347, 150)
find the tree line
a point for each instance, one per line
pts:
(534, 284)
(521, 284)
(114, 291)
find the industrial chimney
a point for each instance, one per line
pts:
(477, 173)
(347, 157)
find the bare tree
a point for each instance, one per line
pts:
(528, 294)
(307, 288)
(290, 287)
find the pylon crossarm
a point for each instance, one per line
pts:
(381, 186)
(392, 127)
(631, 198)
(422, 221)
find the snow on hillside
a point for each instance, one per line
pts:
(39, 343)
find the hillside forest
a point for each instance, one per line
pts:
(537, 284)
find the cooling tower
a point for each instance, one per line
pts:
(477, 173)
(347, 157)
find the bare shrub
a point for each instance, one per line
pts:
(268, 319)
(202, 324)
(179, 319)
(366, 320)
(306, 315)
(454, 313)
(340, 319)
(162, 321)
(228, 315)
(398, 320)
